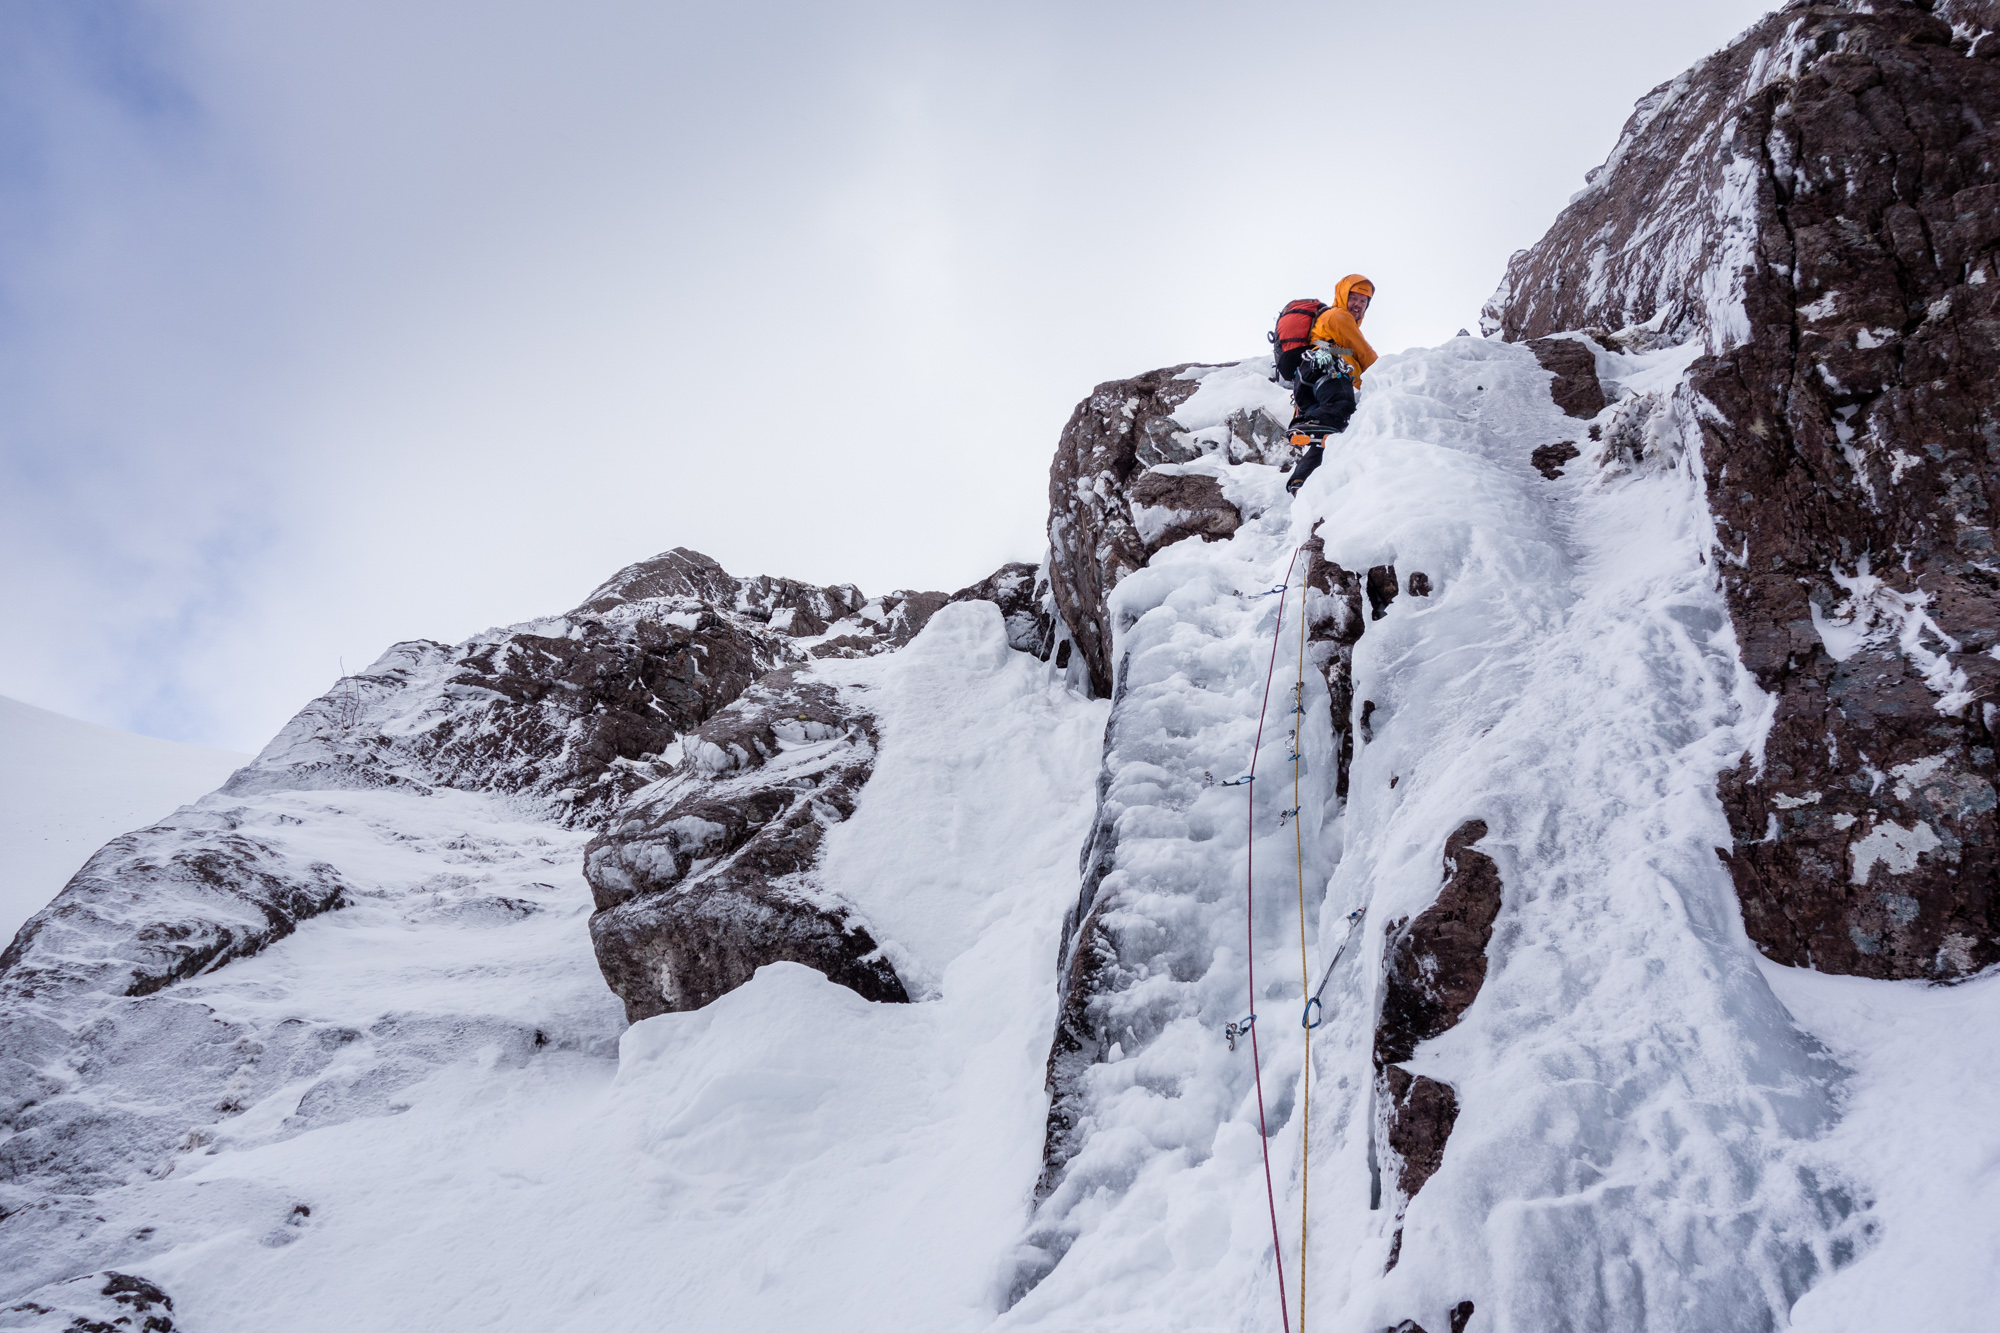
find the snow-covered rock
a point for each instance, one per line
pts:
(441, 802)
(1450, 1019)
(710, 875)
(1814, 208)
(1139, 467)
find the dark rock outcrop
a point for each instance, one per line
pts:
(1830, 184)
(1021, 591)
(107, 1302)
(1381, 586)
(1576, 390)
(1334, 624)
(785, 605)
(1973, 21)
(1432, 969)
(1171, 507)
(1549, 458)
(702, 882)
(1118, 494)
(1459, 1317)
(572, 712)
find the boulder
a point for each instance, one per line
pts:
(106, 1302)
(703, 880)
(1021, 591)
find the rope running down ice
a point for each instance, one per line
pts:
(1250, 935)
(1305, 973)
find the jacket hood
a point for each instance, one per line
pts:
(1349, 284)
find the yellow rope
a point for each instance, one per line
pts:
(1305, 976)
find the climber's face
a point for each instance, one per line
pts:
(1357, 304)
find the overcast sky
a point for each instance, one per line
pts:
(324, 325)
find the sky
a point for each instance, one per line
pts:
(326, 325)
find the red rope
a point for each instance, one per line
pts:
(1250, 950)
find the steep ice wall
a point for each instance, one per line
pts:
(1633, 1139)
(1817, 205)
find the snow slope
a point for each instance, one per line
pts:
(484, 1150)
(68, 787)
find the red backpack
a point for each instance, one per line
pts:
(1294, 333)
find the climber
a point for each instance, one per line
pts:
(1327, 373)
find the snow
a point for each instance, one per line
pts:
(68, 787)
(1873, 614)
(486, 1151)
(1893, 847)
(1573, 681)
(1658, 1130)
(1224, 391)
(1917, 1117)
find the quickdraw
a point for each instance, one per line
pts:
(1353, 920)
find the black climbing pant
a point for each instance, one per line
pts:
(1324, 407)
(1305, 467)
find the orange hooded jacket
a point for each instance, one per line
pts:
(1335, 325)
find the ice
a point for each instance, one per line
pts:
(1638, 1112)
(423, 1109)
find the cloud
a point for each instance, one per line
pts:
(331, 324)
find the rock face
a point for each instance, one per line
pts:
(571, 712)
(570, 716)
(1022, 593)
(1120, 491)
(1830, 184)
(674, 675)
(107, 1302)
(1334, 624)
(1432, 969)
(162, 904)
(1576, 389)
(704, 880)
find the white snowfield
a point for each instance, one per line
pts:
(67, 787)
(1658, 1131)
